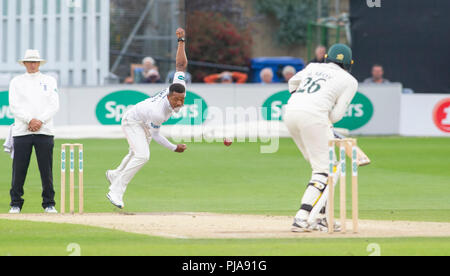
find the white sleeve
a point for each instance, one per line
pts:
(154, 131)
(53, 106)
(294, 82)
(19, 111)
(180, 78)
(343, 101)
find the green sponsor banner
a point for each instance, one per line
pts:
(359, 113)
(194, 111)
(273, 106)
(6, 117)
(112, 107)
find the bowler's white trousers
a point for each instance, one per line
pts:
(311, 133)
(139, 139)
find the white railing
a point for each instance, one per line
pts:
(73, 35)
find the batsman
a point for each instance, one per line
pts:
(321, 93)
(143, 122)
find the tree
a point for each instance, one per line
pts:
(293, 17)
(212, 37)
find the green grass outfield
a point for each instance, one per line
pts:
(408, 180)
(30, 238)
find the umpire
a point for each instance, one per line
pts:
(33, 101)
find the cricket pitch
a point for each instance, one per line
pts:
(232, 226)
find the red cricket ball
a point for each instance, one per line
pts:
(227, 142)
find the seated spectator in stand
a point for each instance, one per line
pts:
(226, 77)
(288, 72)
(320, 53)
(407, 91)
(377, 75)
(148, 73)
(266, 75)
(128, 80)
(171, 74)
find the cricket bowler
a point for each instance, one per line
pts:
(142, 123)
(321, 93)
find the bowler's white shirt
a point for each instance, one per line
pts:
(33, 96)
(156, 110)
(324, 89)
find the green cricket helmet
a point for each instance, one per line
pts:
(342, 54)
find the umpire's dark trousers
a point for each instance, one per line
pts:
(23, 147)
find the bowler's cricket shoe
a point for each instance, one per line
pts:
(109, 176)
(115, 200)
(51, 210)
(322, 225)
(14, 210)
(300, 226)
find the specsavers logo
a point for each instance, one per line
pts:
(112, 107)
(441, 115)
(273, 106)
(6, 117)
(359, 113)
(194, 111)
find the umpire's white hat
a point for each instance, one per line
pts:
(32, 56)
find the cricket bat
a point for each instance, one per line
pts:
(363, 159)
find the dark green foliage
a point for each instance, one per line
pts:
(293, 17)
(212, 37)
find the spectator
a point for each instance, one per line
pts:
(266, 75)
(226, 77)
(377, 75)
(288, 72)
(407, 91)
(129, 80)
(171, 74)
(320, 53)
(148, 73)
